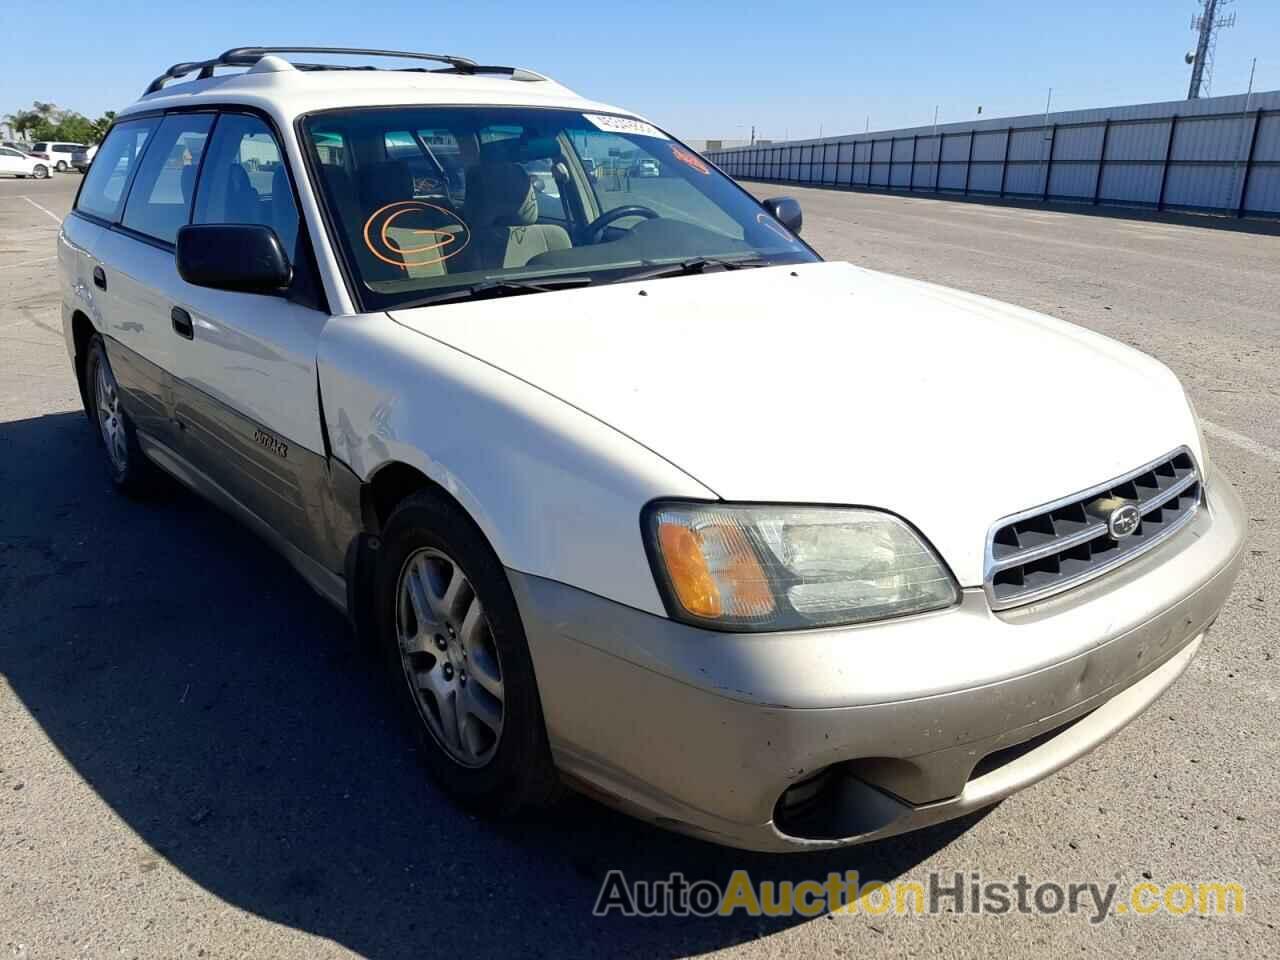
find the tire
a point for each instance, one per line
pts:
(40, 171)
(433, 629)
(61, 166)
(130, 470)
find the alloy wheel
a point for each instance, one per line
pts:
(449, 657)
(111, 418)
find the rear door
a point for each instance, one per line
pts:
(103, 275)
(137, 276)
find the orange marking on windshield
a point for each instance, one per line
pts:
(445, 240)
(689, 159)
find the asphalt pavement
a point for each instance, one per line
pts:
(195, 760)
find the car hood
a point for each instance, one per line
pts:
(828, 383)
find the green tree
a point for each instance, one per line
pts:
(47, 121)
(101, 124)
(23, 122)
(72, 126)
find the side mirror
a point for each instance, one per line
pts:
(786, 210)
(233, 256)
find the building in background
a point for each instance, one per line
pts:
(703, 145)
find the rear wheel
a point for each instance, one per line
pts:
(40, 171)
(458, 660)
(127, 465)
(62, 166)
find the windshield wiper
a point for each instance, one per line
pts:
(497, 287)
(694, 265)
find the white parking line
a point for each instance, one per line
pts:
(45, 210)
(1241, 441)
(26, 263)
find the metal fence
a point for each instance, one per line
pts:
(1219, 155)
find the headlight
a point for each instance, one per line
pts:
(780, 568)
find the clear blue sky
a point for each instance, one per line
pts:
(702, 68)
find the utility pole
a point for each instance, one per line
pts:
(1206, 24)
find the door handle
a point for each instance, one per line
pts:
(182, 325)
(99, 278)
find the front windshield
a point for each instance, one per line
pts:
(427, 201)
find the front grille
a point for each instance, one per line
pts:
(1052, 548)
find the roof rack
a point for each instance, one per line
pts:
(249, 56)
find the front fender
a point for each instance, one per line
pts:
(557, 492)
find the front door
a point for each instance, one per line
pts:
(246, 396)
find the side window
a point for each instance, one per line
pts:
(102, 193)
(244, 180)
(160, 199)
(401, 145)
(550, 206)
(445, 151)
(331, 148)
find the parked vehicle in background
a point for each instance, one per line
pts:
(57, 155)
(82, 158)
(15, 163)
(20, 145)
(646, 168)
(631, 489)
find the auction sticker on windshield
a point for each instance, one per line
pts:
(629, 125)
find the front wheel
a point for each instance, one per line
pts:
(62, 166)
(40, 171)
(458, 660)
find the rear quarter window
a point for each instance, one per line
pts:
(102, 194)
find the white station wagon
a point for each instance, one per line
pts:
(633, 491)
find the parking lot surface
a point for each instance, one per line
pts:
(195, 761)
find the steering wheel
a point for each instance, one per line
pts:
(593, 230)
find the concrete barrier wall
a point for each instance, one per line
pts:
(1219, 155)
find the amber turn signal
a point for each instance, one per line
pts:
(713, 568)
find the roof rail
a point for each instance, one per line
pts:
(248, 56)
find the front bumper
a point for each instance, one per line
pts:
(866, 731)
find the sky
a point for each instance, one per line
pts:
(702, 69)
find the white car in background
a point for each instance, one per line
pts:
(57, 155)
(15, 163)
(648, 500)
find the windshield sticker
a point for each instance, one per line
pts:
(690, 159)
(437, 244)
(631, 125)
